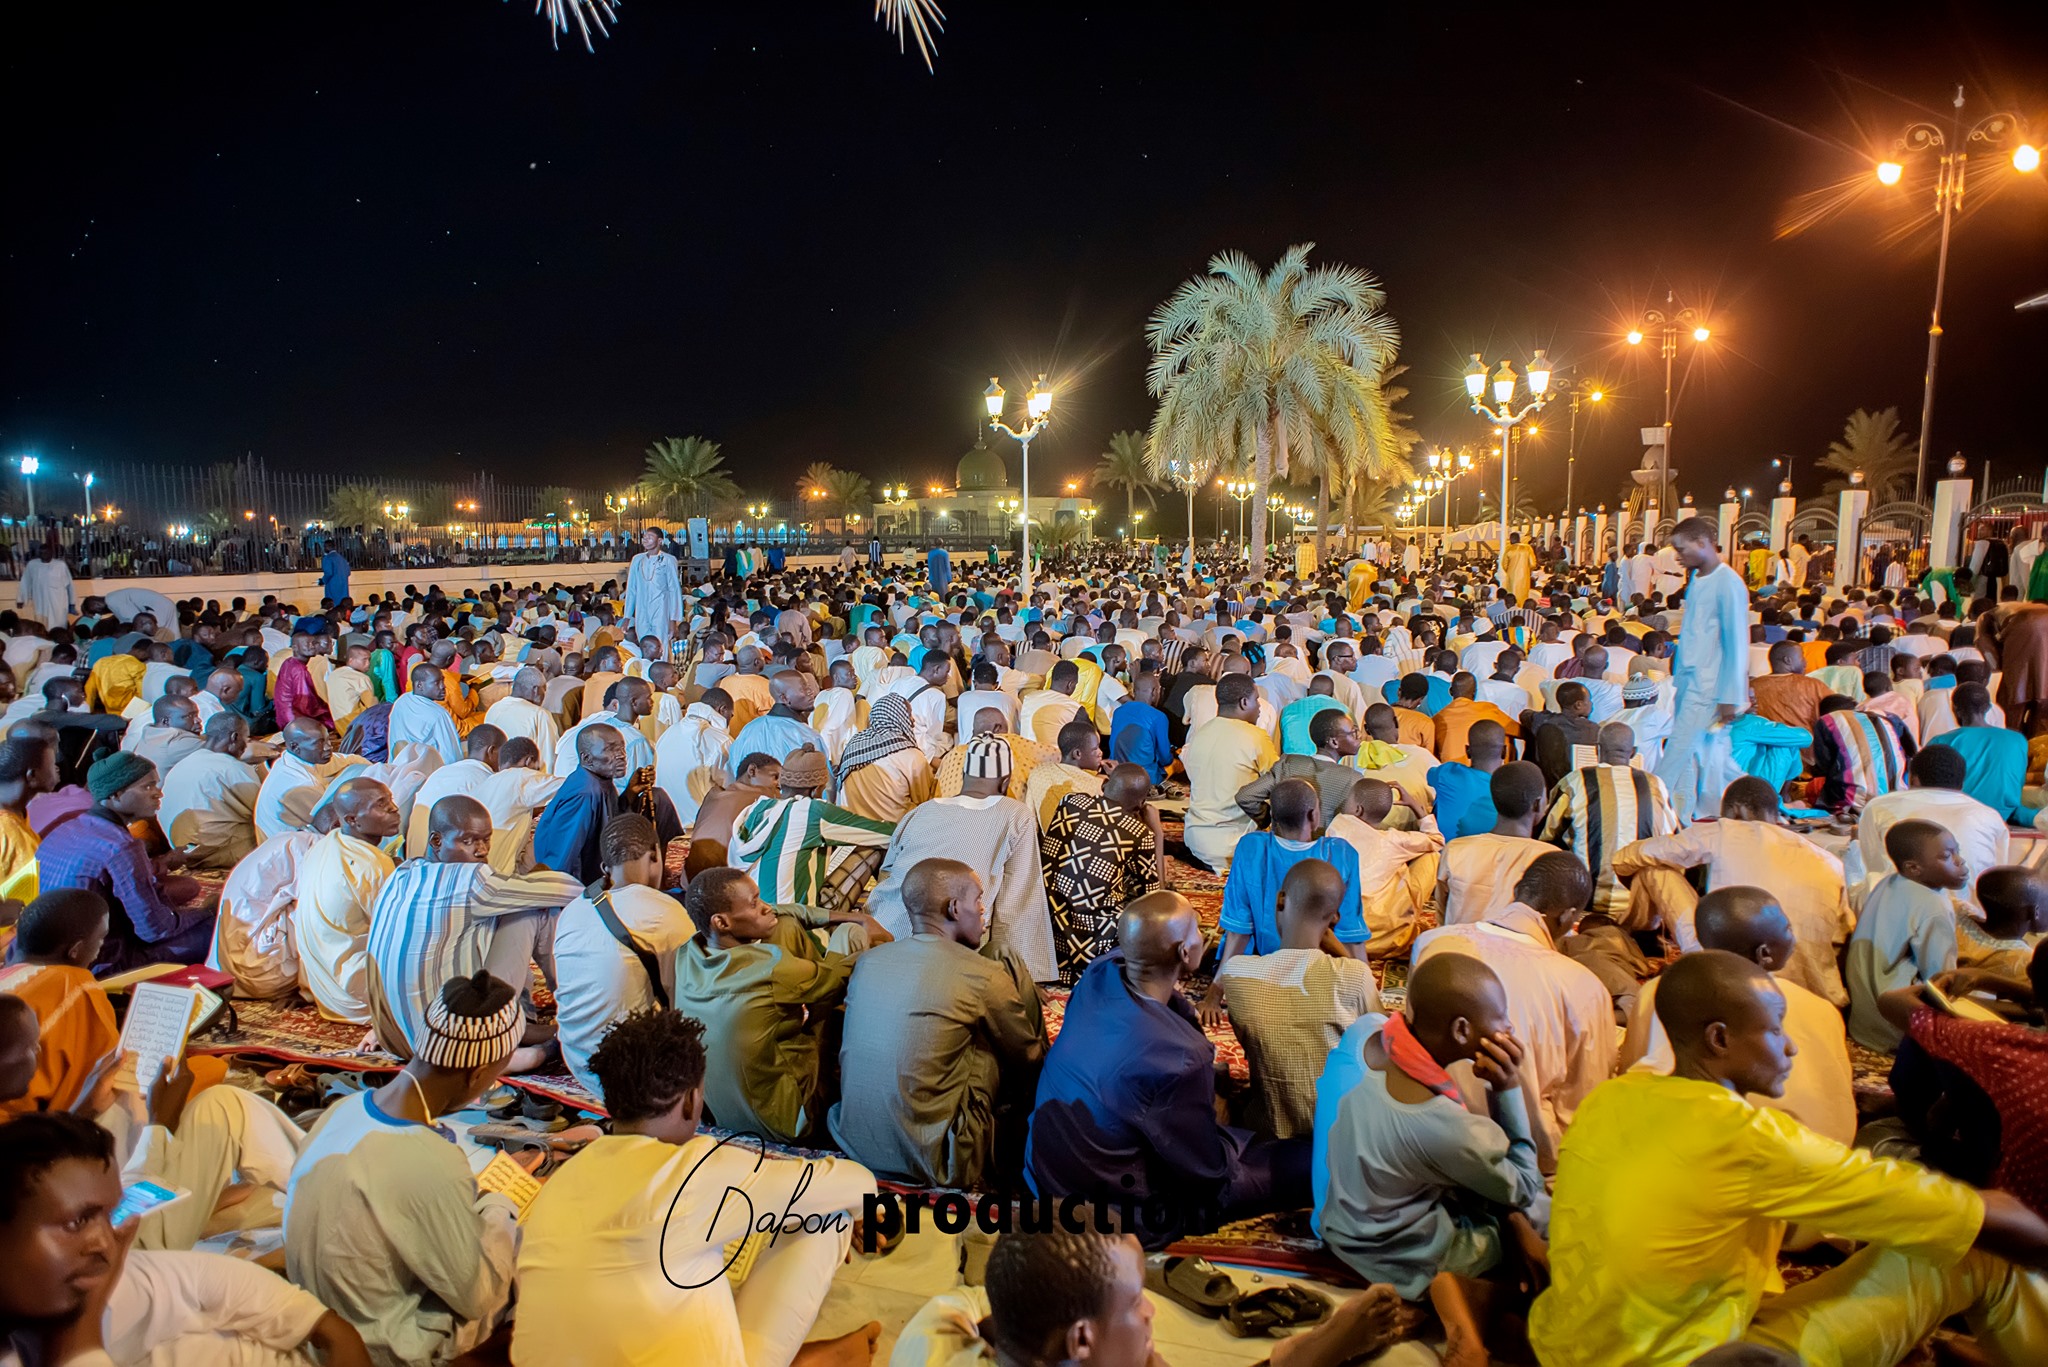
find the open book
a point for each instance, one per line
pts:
(160, 1021)
(505, 1176)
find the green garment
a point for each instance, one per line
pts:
(764, 1008)
(2037, 582)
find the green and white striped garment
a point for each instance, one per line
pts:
(782, 842)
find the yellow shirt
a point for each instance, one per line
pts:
(18, 845)
(1672, 1197)
(114, 683)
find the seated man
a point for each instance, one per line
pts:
(1935, 793)
(1651, 1157)
(1788, 695)
(1222, 755)
(1416, 1189)
(384, 1219)
(421, 717)
(615, 945)
(94, 850)
(1561, 1014)
(1563, 740)
(78, 1292)
(1127, 1101)
(766, 991)
(942, 1044)
(1857, 756)
(1599, 809)
(1748, 847)
(1290, 1004)
(754, 777)
(1396, 868)
(170, 735)
(1078, 770)
(626, 701)
(1099, 853)
(70, 1068)
(1298, 717)
(1455, 721)
(996, 836)
(785, 727)
(338, 882)
(566, 836)
(1264, 858)
(1994, 757)
(1139, 731)
(622, 1254)
(1819, 1091)
(1479, 872)
(1330, 768)
(449, 914)
(802, 849)
(210, 798)
(1464, 791)
(1906, 932)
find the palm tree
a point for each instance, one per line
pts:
(847, 494)
(556, 504)
(1873, 443)
(356, 505)
(811, 486)
(1123, 467)
(687, 474)
(1264, 364)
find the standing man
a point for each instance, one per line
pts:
(1517, 566)
(940, 567)
(334, 575)
(46, 583)
(1711, 665)
(654, 591)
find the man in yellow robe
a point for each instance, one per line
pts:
(1517, 564)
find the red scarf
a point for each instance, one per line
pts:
(1411, 1058)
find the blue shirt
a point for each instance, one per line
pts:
(566, 836)
(1997, 768)
(1342, 1070)
(1712, 660)
(1126, 1102)
(781, 737)
(1464, 800)
(1438, 698)
(1257, 869)
(334, 575)
(940, 566)
(1294, 720)
(1139, 736)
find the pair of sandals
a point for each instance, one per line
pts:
(1200, 1286)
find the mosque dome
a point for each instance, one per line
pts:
(982, 469)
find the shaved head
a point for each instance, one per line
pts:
(1747, 921)
(1159, 933)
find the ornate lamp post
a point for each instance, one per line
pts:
(1667, 323)
(1240, 489)
(1038, 407)
(1503, 412)
(1951, 147)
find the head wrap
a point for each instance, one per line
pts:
(988, 757)
(475, 1020)
(889, 729)
(806, 768)
(310, 626)
(117, 771)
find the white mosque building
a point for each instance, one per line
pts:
(982, 504)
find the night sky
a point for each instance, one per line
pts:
(416, 240)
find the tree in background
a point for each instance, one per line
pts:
(1873, 443)
(1123, 467)
(847, 495)
(686, 476)
(1268, 363)
(352, 505)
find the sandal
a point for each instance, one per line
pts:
(1191, 1283)
(1275, 1311)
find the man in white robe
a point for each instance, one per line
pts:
(421, 717)
(654, 591)
(210, 797)
(252, 936)
(339, 879)
(523, 714)
(299, 777)
(45, 589)
(693, 756)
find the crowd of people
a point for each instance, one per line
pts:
(1549, 912)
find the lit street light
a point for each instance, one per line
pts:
(1584, 391)
(1952, 149)
(1504, 415)
(1667, 322)
(1038, 407)
(29, 466)
(1240, 489)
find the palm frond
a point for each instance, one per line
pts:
(586, 14)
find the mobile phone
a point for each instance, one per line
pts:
(144, 1197)
(192, 848)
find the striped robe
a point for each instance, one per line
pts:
(1600, 809)
(1858, 756)
(783, 843)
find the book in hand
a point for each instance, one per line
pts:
(1962, 1008)
(506, 1177)
(160, 1021)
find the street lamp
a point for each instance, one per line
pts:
(1038, 407)
(1240, 489)
(29, 466)
(1667, 322)
(86, 479)
(1952, 149)
(1581, 391)
(1189, 477)
(1504, 415)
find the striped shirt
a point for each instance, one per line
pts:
(782, 842)
(1601, 809)
(1859, 757)
(434, 921)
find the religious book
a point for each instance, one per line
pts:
(1962, 1008)
(159, 1022)
(505, 1176)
